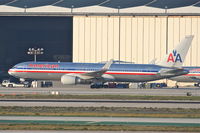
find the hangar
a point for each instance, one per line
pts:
(97, 30)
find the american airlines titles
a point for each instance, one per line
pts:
(43, 65)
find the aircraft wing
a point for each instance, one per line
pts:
(173, 72)
(96, 74)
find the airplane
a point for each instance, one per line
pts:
(193, 76)
(76, 73)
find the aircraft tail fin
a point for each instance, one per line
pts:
(177, 56)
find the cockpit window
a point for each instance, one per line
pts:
(19, 66)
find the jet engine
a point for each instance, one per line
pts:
(72, 80)
(69, 80)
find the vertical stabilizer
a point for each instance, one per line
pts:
(177, 56)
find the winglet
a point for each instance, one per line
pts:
(177, 56)
(107, 65)
(96, 74)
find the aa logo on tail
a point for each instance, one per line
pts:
(174, 57)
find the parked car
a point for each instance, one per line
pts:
(8, 83)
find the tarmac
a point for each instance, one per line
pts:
(85, 90)
(99, 103)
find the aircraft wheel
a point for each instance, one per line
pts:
(26, 86)
(198, 84)
(177, 86)
(10, 85)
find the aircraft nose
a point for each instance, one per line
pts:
(10, 72)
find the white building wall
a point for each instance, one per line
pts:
(142, 39)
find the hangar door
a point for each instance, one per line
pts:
(18, 33)
(138, 39)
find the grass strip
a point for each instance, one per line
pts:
(101, 112)
(96, 127)
(114, 97)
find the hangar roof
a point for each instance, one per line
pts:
(102, 6)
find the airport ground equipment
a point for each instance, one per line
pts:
(8, 83)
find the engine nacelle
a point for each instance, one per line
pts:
(69, 80)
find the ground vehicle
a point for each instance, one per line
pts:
(8, 83)
(46, 84)
(109, 85)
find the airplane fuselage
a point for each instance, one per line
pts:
(117, 72)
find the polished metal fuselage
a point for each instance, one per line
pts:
(117, 72)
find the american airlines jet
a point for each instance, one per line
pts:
(74, 73)
(192, 76)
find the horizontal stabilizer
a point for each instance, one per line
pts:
(172, 72)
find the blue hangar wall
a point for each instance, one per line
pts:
(18, 33)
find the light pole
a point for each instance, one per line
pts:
(119, 32)
(72, 9)
(167, 19)
(166, 29)
(35, 52)
(25, 7)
